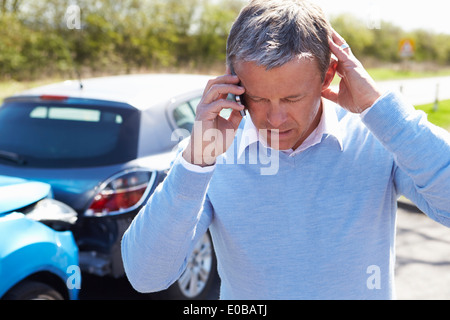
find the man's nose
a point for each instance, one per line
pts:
(276, 115)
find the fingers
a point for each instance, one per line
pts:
(216, 93)
(330, 95)
(339, 46)
(225, 79)
(337, 38)
(346, 60)
(235, 118)
(221, 91)
(215, 97)
(217, 106)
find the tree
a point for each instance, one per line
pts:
(128, 35)
(11, 6)
(355, 32)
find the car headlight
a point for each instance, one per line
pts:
(53, 213)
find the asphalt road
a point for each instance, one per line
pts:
(423, 257)
(423, 246)
(420, 91)
(422, 267)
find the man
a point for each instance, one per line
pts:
(320, 226)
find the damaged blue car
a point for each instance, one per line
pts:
(38, 255)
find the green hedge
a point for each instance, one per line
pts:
(132, 35)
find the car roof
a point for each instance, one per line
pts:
(135, 90)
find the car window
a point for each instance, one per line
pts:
(64, 135)
(194, 103)
(184, 114)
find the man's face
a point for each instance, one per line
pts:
(287, 99)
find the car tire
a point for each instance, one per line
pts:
(32, 290)
(200, 280)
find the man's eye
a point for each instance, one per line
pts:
(293, 100)
(257, 100)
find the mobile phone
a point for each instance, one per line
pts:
(236, 98)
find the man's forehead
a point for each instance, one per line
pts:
(293, 79)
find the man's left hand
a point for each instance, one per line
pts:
(357, 90)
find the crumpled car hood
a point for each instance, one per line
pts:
(16, 193)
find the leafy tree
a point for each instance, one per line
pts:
(129, 35)
(355, 32)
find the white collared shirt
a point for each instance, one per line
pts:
(328, 124)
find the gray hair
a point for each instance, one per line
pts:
(273, 32)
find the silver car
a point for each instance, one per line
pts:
(104, 144)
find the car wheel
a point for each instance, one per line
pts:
(32, 290)
(200, 279)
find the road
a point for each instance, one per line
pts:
(423, 257)
(423, 246)
(419, 91)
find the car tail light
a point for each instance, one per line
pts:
(53, 97)
(121, 193)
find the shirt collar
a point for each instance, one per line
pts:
(328, 125)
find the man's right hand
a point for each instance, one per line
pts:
(212, 134)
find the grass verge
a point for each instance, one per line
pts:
(440, 117)
(8, 88)
(382, 74)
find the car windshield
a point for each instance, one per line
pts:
(59, 135)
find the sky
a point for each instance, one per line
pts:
(432, 15)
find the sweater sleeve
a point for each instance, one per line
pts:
(421, 152)
(162, 235)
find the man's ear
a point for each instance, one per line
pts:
(329, 76)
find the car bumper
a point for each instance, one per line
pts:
(99, 241)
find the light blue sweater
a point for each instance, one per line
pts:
(323, 227)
